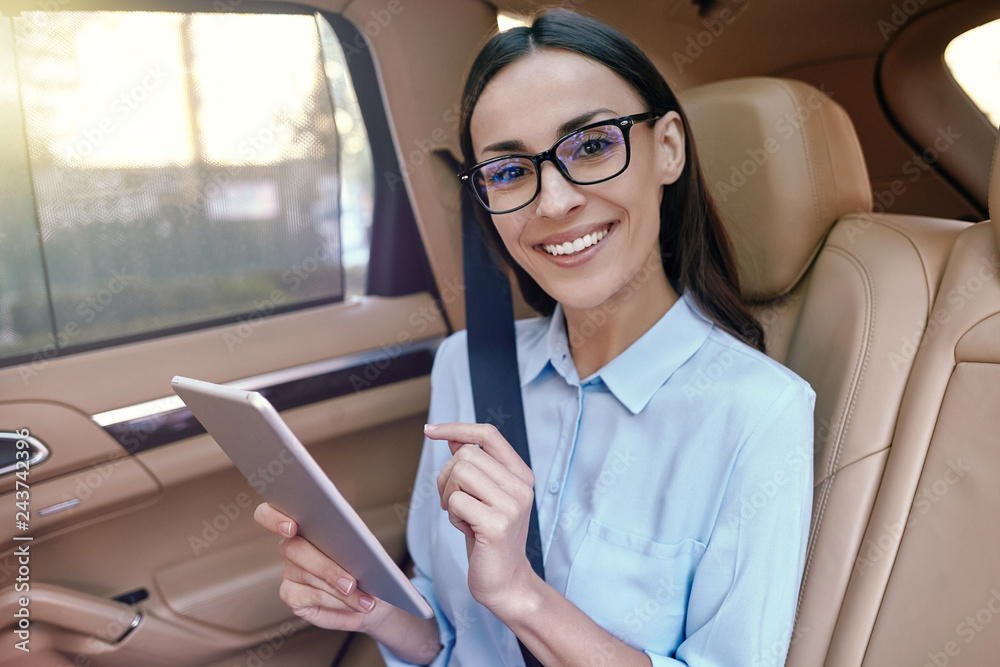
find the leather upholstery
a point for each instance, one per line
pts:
(844, 295)
(994, 196)
(783, 162)
(941, 575)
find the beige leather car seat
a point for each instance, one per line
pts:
(938, 513)
(844, 293)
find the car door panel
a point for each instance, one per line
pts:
(174, 522)
(52, 423)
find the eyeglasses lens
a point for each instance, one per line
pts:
(589, 156)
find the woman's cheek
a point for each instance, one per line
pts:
(511, 240)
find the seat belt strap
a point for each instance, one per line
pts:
(496, 383)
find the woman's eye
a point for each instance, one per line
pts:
(595, 144)
(508, 174)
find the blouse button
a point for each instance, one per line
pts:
(554, 487)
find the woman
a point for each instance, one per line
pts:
(671, 458)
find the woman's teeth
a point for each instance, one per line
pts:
(572, 247)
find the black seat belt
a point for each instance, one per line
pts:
(496, 383)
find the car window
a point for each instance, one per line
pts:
(165, 171)
(974, 60)
(508, 20)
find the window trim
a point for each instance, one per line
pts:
(163, 421)
(916, 91)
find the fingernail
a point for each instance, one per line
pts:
(345, 585)
(367, 602)
(430, 427)
(286, 528)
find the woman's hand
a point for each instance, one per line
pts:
(487, 491)
(323, 593)
(313, 586)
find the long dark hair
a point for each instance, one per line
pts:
(694, 246)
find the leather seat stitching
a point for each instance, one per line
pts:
(859, 372)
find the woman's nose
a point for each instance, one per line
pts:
(558, 196)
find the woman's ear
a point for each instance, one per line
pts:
(670, 138)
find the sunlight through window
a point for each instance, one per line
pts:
(506, 21)
(974, 60)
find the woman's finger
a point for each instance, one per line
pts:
(314, 568)
(487, 437)
(318, 607)
(470, 467)
(275, 521)
(295, 593)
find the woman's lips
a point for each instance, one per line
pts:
(577, 245)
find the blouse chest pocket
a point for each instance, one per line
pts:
(634, 588)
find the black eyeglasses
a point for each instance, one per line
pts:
(592, 154)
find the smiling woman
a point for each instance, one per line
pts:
(672, 518)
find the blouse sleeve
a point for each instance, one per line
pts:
(743, 597)
(418, 537)
(421, 513)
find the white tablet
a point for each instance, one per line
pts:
(277, 465)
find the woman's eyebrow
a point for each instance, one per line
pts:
(582, 119)
(517, 146)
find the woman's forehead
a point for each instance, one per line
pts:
(530, 100)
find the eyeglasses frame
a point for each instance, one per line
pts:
(623, 122)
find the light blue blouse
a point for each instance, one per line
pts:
(674, 493)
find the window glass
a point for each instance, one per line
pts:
(974, 60)
(508, 20)
(25, 322)
(184, 169)
(357, 197)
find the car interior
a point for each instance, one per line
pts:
(263, 194)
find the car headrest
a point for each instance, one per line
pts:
(994, 196)
(782, 162)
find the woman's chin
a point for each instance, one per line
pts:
(579, 300)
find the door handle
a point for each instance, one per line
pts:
(37, 451)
